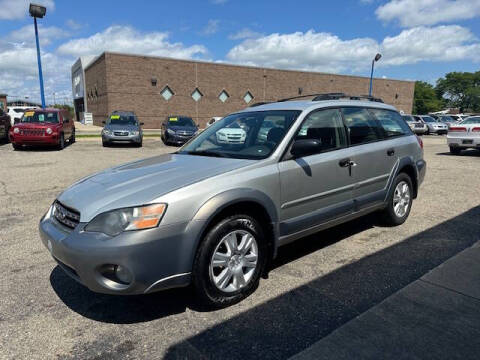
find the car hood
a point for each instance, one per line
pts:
(121, 127)
(183, 128)
(141, 182)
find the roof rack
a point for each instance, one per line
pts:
(338, 96)
(260, 103)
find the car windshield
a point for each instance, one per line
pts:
(247, 135)
(116, 119)
(428, 119)
(181, 121)
(446, 119)
(471, 120)
(40, 117)
(408, 118)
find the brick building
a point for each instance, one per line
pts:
(3, 101)
(157, 87)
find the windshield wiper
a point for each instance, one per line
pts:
(205, 153)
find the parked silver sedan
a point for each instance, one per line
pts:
(433, 126)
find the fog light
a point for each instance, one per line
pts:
(123, 274)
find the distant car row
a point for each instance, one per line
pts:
(55, 127)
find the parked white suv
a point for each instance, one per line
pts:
(16, 112)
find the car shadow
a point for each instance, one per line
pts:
(295, 320)
(43, 148)
(468, 152)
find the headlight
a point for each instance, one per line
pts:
(16, 130)
(171, 132)
(49, 131)
(105, 132)
(138, 218)
(134, 133)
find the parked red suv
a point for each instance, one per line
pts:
(43, 127)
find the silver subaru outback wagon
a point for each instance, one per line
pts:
(214, 213)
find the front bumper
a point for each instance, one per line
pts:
(439, 131)
(19, 139)
(122, 138)
(156, 259)
(463, 141)
(179, 139)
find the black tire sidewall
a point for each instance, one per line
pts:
(391, 217)
(202, 283)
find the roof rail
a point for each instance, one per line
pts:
(338, 96)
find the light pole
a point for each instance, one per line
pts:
(377, 57)
(38, 11)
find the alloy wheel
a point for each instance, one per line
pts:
(401, 199)
(234, 261)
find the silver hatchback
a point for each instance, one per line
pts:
(214, 213)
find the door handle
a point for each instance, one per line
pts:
(390, 152)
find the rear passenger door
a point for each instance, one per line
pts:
(316, 188)
(374, 156)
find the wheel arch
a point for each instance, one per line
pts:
(248, 201)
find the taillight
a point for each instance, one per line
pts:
(476, 129)
(457, 129)
(420, 141)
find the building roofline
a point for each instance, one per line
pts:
(235, 65)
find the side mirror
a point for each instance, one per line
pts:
(104, 122)
(141, 124)
(305, 147)
(16, 120)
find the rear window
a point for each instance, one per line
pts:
(40, 117)
(392, 122)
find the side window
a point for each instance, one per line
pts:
(362, 127)
(325, 126)
(392, 122)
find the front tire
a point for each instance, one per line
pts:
(61, 142)
(72, 138)
(399, 201)
(229, 261)
(455, 150)
(16, 147)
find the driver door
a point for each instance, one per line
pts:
(317, 188)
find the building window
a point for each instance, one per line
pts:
(196, 95)
(167, 93)
(223, 96)
(248, 97)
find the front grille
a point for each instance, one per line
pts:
(120, 133)
(33, 132)
(65, 216)
(185, 133)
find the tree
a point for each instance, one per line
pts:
(460, 89)
(425, 99)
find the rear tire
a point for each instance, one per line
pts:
(399, 201)
(235, 272)
(455, 150)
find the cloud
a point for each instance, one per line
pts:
(72, 24)
(47, 34)
(307, 51)
(437, 44)
(328, 53)
(126, 39)
(18, 9)
(211, 27)
(411, 13)
(245, 33)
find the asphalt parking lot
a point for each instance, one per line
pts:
(316, 284)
